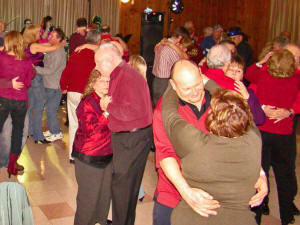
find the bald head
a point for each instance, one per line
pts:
(107, 58)
(186, 80)
(295, 50)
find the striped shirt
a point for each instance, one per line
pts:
(165, 57)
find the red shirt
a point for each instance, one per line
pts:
(76, 40)
(92, 140)
(279, 92)
(165, 192)
(76, 74)
(131, 105)
(219, 77)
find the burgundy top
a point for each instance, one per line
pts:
(92, 139)
(76, 40)
(279, 92)
(36, 59)
(11, 68)
(219, 77)
(131, 105)
(165, 192)
(76, 74)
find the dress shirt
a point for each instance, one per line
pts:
(165, 192)
(165, 57)
(76, 74)
(131, 105)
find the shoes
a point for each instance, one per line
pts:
(42, 142)
(72, 161)
(11, 169)
(291, 220)
(19, 167)
(108, 222)
(47, 133)
(67, 123)
(54, 137)
(295, 210)
(265, 208)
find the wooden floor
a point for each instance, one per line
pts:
(51, 186)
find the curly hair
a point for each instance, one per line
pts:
(281, 64)
(89, 88)
(230, 114)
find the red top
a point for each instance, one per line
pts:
(219, 77)
(92, 139)
(76, 40)
(76, 74)
(131, 105)
(165, 192)
(10, 68)
(279, 92)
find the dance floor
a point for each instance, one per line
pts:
(51, 186)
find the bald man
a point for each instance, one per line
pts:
(194, 104)
(129, 110)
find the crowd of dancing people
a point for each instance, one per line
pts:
(217, 119)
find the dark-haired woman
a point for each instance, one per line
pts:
(92, 151)
(224, 163)
(13, 63)
(45, 29)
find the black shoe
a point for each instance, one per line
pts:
(108, 222)
(291, 220)
(72, 161)
(67, 123)
(265, 209)
(295, 210)
(42, 142)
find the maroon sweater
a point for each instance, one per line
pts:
(11, 68)
(278, 92)
(76, 74)
(92, 140)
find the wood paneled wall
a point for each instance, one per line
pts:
(251, 15)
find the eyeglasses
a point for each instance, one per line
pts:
(28, 23)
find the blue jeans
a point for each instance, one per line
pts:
(161, 214)
(36, 97)
(53, 97)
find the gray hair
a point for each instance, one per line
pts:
(110, 48)
(93, 37)
(218, 56)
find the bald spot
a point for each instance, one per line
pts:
(184, 71)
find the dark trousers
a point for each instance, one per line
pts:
(279, 151)
(94, 193)
(161, 214)
(159, 86)
(17, 110)
(130, 155)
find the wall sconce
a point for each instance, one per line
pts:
(126, 1)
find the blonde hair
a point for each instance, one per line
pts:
(281, 64)
(89, 88)
(13, 42)
(30, 34)
(137, 62)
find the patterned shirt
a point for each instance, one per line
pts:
(165, 57)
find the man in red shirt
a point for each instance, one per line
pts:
(74, 79)
(194, 105)
(79, 37)
(129, 110)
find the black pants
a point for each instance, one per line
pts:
(94, 193)
(159, 86)
(130, 155)
(161, 214)
(279, 151)
(17, 110)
